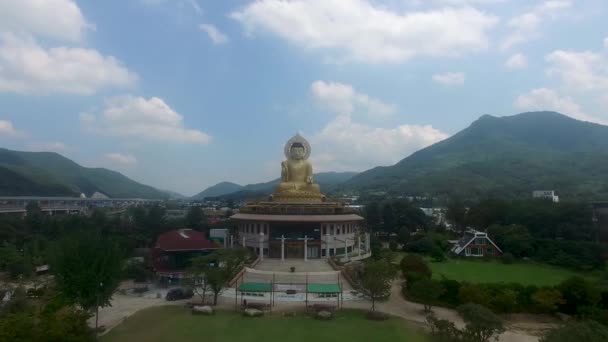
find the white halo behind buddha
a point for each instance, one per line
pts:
(297, 139)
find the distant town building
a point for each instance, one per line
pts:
(99, 195)
(546, 194)
(476, 244)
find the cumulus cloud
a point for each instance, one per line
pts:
(122, 159)
(450, 78)
(26, 68)
(547, 99)
(346, 145)
(357, 30)
(526, 26)
(216, 36)
(517, 61)
(140, 118)
(579, 71)
(342, 99)
(59, 19)
(7, 130)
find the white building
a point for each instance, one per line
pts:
(547, 194)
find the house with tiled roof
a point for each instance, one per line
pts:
(476, 244)
(173, 250)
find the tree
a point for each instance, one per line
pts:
(199, 267)
(372, 216)
(376, 280)
(456, 214)
(426, 291)
(388, 218)
(587, 331)
(87, 270)
(226, 263)
(195, 218)
(443, 330)
(481, 323)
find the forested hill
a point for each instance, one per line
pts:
(326, 180)
(51, 174)
(503, 157)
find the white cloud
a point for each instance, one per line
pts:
(450, 78)
(606, 43)
(26, 67)
(579, 71)
(216, 36)
(517, 61)
(342, 99)
(59, 19)
(122, 159)
(357, 30)
(53, 146)
(526, 27)
(547, 99)
(7, 130)
(344, 145)
(139, 118)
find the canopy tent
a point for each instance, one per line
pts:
(255, 287)
(324, 288)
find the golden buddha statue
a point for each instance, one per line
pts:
(296, 174)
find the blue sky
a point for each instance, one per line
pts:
(182, 94)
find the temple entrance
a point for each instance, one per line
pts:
(294, 249)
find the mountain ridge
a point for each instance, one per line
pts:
(506, 156)
(50, 173)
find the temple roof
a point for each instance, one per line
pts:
(183, 240)
(296, 218)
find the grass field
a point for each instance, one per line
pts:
(177, 324)
(477, 271)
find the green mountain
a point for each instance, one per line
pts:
(218, 189)
(326, 180)
(504, 157)
(51, 174)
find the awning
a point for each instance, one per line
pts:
(255, 287)
(324, 288)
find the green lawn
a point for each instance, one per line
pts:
(478, 271)
(177, 324)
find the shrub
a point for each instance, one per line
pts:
(450, 295)
(588, 331)
(393, 245)
(508, 258)
(474, 293)
(578, 292)
(414, 268)
(548, 300)
(438, 255)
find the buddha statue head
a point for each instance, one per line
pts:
(297, 151)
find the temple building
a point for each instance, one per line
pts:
(297, 220)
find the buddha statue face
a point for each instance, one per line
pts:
(297, 152)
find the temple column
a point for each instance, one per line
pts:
(327, 246)
(305, 248)
(335, 248)
(367, 244)
(244, 241)
(261, 246)
(346, 249)
(282, 247)
(359, 244)
(225, 240)
(231, 241)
